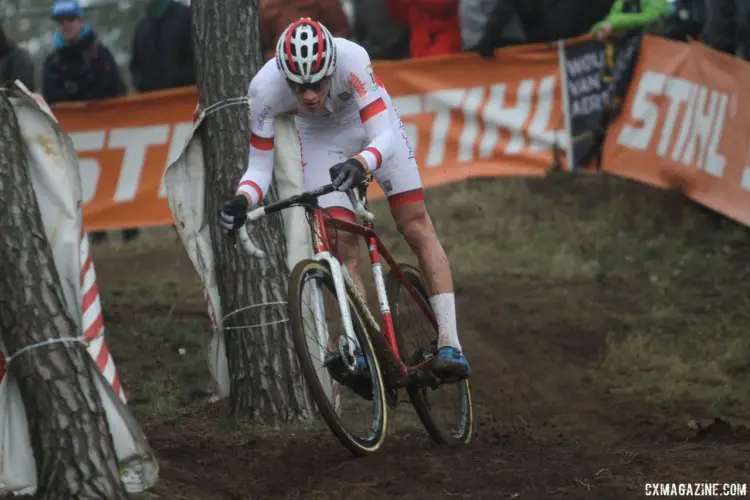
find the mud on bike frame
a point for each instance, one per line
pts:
(319, 221)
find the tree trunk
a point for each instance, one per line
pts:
(266, 382)
(70, 436)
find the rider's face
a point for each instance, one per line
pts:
(312, 95)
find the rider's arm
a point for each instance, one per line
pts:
(254, 184)
(373, 112)
(651, 11)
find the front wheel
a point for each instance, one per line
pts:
(445, 411)
(357, 421)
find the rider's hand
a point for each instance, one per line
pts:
(604, 32)
(347, 174)
(233, 214)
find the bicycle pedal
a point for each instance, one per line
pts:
(356, 381)
(335, 365)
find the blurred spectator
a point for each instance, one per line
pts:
(539, 21)
(15, 63)
(162, 55)
(348, 7)
(629, 15)
(378, 33)
(490, 24)
(433, 24)
(727, 26)
(567, 18)
(275, 15)
(80, 68)
(685, 20)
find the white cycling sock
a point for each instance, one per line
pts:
(444, 306)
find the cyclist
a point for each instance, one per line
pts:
(347, 127)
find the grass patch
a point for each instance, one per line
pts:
(701, 361)
(155, 321)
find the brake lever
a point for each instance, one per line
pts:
(247, 244)
(359, 206)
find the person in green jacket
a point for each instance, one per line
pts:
(628, 15)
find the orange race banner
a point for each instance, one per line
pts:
(465, 117)
(123, 146)
(686, 125)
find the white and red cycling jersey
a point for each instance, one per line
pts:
(358, 118)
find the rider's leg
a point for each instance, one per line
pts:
(320, 148)
(347, 245)
(414, 223)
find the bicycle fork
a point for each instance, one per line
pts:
(348, 342)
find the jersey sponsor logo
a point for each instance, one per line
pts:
(357, 85)
(404, 135)
(373, 78)
(264, 114)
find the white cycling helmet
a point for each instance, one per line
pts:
(305, 52)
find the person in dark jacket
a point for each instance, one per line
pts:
(495, 27)
(80, 68)
(378, 33)
(727, 26)
(162, 55)
(685, 20)
(15, 63)
(541, 20)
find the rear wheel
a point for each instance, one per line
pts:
(359, 423)
(445, 410)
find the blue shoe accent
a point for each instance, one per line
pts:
(451, 363)
(361, 363)
(358, 381)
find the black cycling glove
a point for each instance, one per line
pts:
(347, 174)
(233, 214)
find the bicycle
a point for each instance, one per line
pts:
(402, 369)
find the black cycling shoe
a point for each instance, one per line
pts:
(358, 382)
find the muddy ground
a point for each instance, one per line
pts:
(604, 322)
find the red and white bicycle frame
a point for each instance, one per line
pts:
(341, 277)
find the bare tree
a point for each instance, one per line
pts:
(266, 382)
(70, 436)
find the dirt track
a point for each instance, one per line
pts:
(544, 434)
(542, 428)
